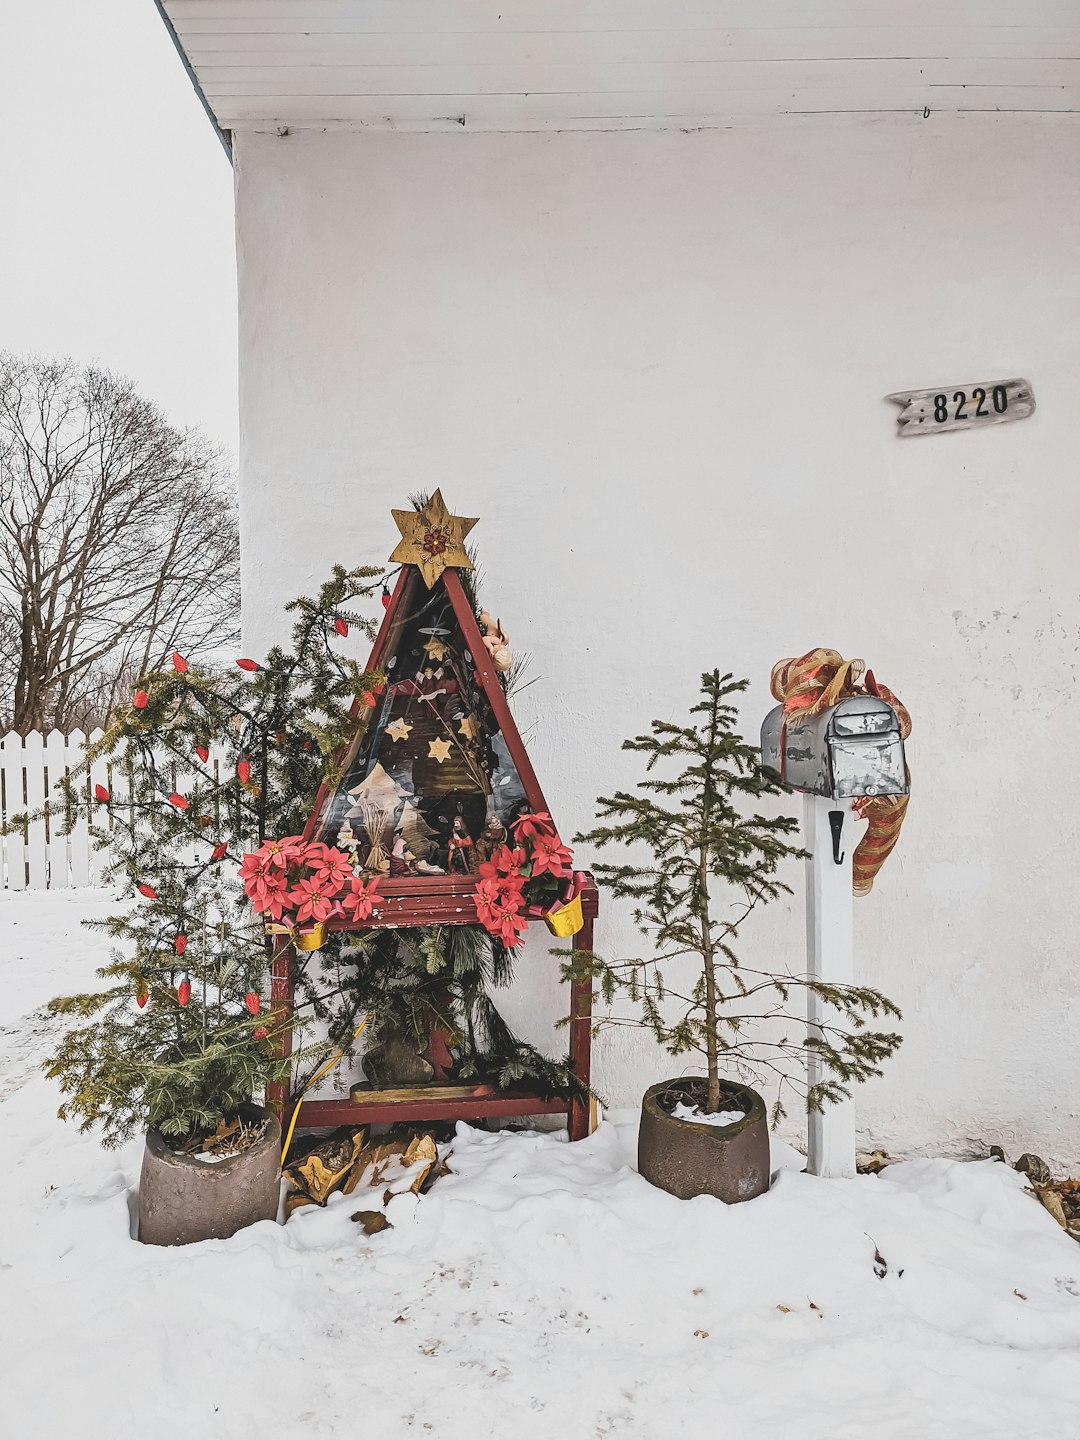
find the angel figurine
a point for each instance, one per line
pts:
(496, 642)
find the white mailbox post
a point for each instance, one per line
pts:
(843, 751)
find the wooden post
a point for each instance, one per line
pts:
(281, 1009)
(829, 957)
(579, 1118)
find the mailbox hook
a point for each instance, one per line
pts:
(836, 825)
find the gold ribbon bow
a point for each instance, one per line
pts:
(811, 683)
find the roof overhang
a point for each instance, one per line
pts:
(616, 64)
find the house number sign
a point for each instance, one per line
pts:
(963, 407)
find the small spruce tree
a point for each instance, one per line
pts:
(205, 765)
(706, 853)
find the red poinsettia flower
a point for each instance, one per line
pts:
(282, 853)
(331, 870)
(504, 861)
(265, 884)
(312, 902)
(273, 904)
(498, 908)
(529, 827)
(359, 901)
(550, 856)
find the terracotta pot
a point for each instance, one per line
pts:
(182, 1199)
(687, 1158)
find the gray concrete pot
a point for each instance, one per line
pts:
(182, 1200)
(687, 1159)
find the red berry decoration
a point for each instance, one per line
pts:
(220, 851)
(180, 944)
(178, 800)
(183, 991)
(179, 664)
(248, 664)
(244, 771)
(261, 1033)
(147, 890)
(141, 996)
(101, 795)
(203, 753)
(252, 1001)
(341, 626)
(140, 700)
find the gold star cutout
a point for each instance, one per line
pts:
(468, 727)
(399, 730)
(432, 539)
(436, 649)
(438, 750)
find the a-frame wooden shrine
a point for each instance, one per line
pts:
(435, 773)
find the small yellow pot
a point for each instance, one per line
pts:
(566, 921)
(313, 939)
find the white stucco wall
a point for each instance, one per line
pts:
(653, 364)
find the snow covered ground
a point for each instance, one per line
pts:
(544, 1290)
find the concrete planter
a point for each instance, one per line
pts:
(182, 1199)
(687, 1159)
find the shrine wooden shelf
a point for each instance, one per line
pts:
(483, 1103)
(416, 900)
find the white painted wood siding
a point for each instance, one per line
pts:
(565, 64)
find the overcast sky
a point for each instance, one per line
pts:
(116, 239)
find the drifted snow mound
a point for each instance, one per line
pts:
(546, 1290)
(542, 1290)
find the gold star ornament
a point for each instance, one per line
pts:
(439, 750)
(399, 730)
(432, 539)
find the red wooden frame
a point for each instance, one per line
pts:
(413, 901)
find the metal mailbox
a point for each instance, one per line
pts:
(853, 748)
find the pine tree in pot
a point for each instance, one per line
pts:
(708, 1134)
(205, 766)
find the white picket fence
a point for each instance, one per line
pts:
(40, 857)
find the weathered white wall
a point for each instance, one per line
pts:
(653, 364)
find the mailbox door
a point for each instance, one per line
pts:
(868, 765)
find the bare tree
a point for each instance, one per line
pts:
(118, 542)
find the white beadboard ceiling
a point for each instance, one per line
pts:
(616, 64)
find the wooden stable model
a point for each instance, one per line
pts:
(431, 782)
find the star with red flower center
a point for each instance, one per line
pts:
(432, 539)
